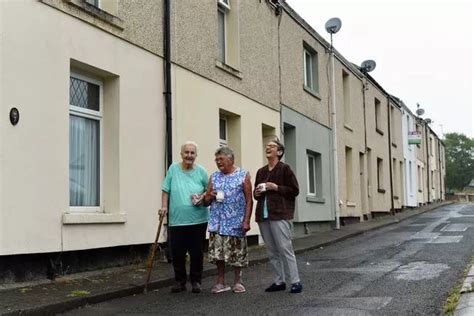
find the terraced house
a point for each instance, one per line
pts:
(102, 93)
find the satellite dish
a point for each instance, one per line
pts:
(368, 66)
(419, 111)
(333, 25)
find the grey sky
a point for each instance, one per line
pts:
(423, 50)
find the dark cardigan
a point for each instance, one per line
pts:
(281, 203)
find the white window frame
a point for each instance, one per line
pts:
(308, 176)
(307, 84)
(224, 142)
(223, 9)
(98, 116)
(98, 3)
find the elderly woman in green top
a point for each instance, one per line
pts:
(183, 187)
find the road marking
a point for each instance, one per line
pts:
(446, 239)
(419, 270)
(455, 228)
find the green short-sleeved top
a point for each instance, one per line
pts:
(180, 185)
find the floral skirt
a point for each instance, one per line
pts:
(232, 250)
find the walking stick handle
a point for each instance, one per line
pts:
(149, 263)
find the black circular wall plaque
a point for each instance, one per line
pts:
(14, 116)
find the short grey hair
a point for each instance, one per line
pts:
(226, 151)
(189, 142)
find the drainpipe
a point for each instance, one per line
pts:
(439, 171)
(364, 85)
(334, 140)
(390, 153)
(167, 81)
(427, 162)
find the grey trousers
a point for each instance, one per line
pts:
(277, 238)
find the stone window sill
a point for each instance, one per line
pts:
(94, 218)
(234, 72)
(312, 92)
(315, 199)
(97, 12)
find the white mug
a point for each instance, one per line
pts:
(220, 196)
(262, 187)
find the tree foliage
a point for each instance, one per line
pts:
(459, 160)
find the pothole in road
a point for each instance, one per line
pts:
(420, 270)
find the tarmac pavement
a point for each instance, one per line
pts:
(69, 292)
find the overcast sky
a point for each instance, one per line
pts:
(423, 50)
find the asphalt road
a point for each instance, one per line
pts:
(404, 269)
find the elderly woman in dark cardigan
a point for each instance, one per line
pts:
(276, 188)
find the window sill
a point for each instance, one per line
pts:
(234, 72)
(350, 204)
(348, 127)
(94, 218)
(97, 12)
(312, 92)
(378, 131)
(315, 199)
(381, 190)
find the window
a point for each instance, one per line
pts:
(221, 23)
(410, 177)
(347, 97)
(380, 175)
(314, 174)
(311, 80)
(85, 125)
(223, 140)
(378, 117)
(393, 125)
(349, 183)
(431, 147)
(420, 179)
(95, 3)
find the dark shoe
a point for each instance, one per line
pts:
(296, 288)
(276, 287)
(178, 287)
(196, 287)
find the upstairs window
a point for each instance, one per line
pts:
(378, 116)
(222, 9)
(311, 80)
(95, 3)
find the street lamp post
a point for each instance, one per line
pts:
(332, 27)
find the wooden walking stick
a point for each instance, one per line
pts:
(151, 258)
